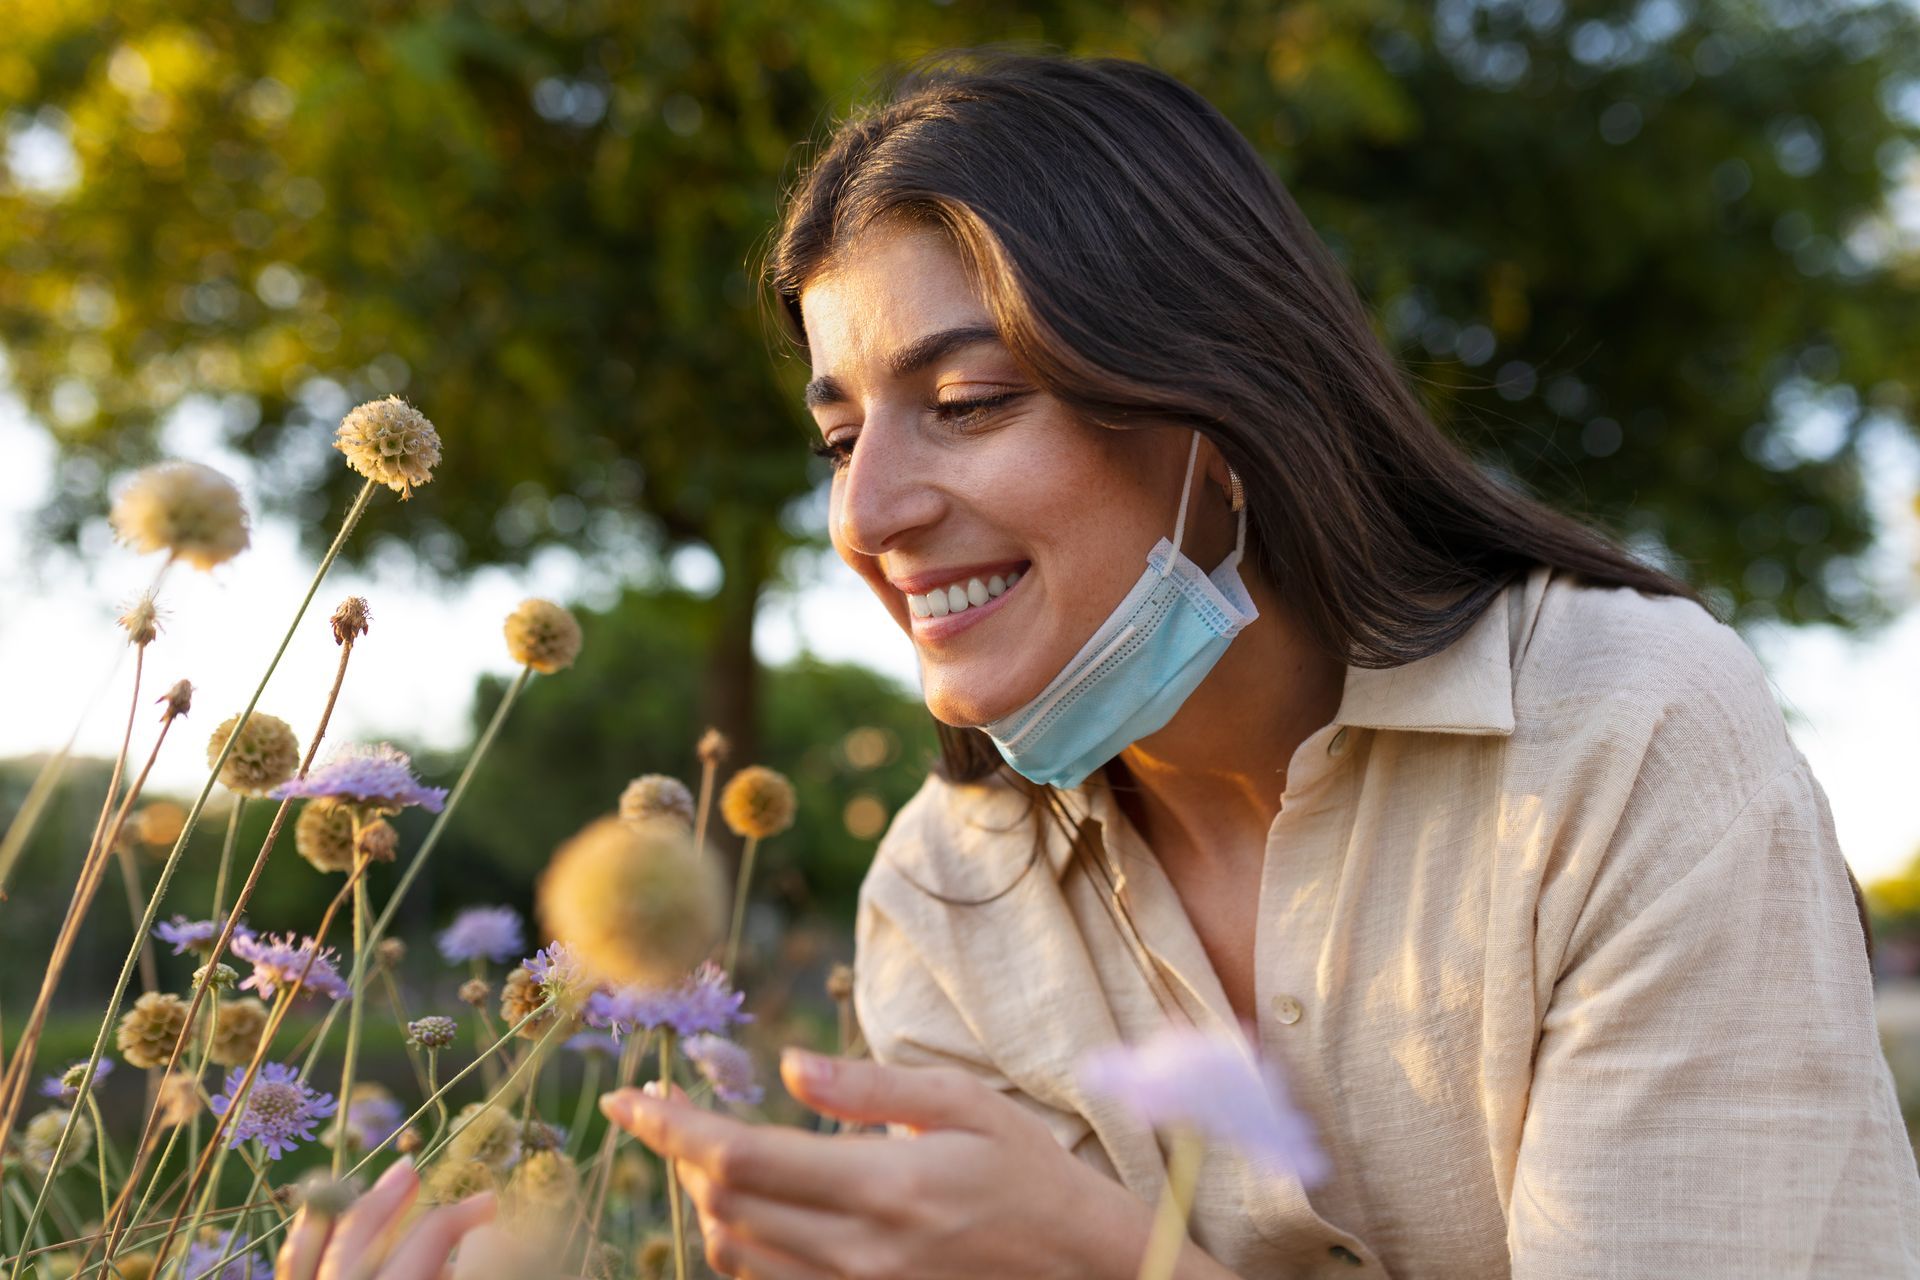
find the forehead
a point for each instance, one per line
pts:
(891, 284)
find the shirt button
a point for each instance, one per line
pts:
(1338, 742)
(1346, 1255)
(1287, 1009)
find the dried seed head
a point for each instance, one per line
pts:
(432, 1031)
(455, 1180)
(544, 1183)
(653, 795)
(487, 1135)
(476, 992)
(409, 1142)
(141, 620)
(654, 1257)
(148, 1031)
(379, 841)
(390, 442)
(190, 511)
(179, 1101)
(179, 700)
(713, 747)
(237, 1027)
(636, 901)
(325, 1196)
(632, 1177)
(390, 953)
(265, 754)
(840, 982)
(350, 619)
(542, 635)
(520, 996)
(221, 976)
(758, 802)
(42, 1138)
(323, 834)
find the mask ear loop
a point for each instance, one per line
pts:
(1180, 521)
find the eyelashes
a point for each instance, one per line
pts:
(959, 413)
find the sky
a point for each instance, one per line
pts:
(1850, 702)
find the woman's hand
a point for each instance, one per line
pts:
(365, 1242)
(982, 1188)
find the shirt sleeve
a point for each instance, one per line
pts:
(909, 1015)
(1709, 1095)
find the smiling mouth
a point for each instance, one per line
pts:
(964, 594)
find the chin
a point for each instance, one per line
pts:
(967, 703)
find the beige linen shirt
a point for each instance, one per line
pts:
(1556, 949)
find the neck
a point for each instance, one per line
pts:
(1207, 785)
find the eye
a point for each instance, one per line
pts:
(837, 452)
(972, 409)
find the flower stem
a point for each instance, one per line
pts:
(351, 1058)
(740, 902)
(186, 830)
(673, 1175)
(1170, 1216)
(226, 854)
(707, 768)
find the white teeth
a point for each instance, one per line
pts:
(960, 596)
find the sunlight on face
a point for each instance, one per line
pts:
(955, 470)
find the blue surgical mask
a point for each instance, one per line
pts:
(1139, 665)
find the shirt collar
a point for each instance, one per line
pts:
(1465, 688)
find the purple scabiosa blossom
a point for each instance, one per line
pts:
(560, 975)
(1213, 1084)
(277, 962)
(280, 1111)
(189, 935)
(703, 1003)
(66, 1085)
(211, 1247)
(482, 933)
(376, 780)
(623, 1010)
(373, 1117)
(593, 1041)
(726, 1066)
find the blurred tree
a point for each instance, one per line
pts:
(1637, 255)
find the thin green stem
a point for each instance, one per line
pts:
(583, 1113)
(673, 1177)
(740, 901)
(1176, 1201)
(226, 855)
(351, 1058)
(506, 1088)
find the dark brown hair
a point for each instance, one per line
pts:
(1145, 266)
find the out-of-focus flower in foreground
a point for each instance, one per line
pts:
(277, 962)
(323, 834)
(391, 443)
(726, 1066)
(188, 510)
(280, 1111)
(636, 902)
(704, 1003)
(482, 933)
(190, 935)
(542, 635)
(264, 755)
(376, 780)
(1212, 1084)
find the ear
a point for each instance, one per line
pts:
(1216, 468)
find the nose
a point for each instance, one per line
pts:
(887, 489)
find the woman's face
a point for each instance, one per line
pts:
(953, 469)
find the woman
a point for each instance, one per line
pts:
(1260, 704)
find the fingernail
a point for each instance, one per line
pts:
(615, 1106)
(811, 1068)
(651, 1088)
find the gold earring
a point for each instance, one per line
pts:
(1236, 496)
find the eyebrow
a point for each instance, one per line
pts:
(913, 357)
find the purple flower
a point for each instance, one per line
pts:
(703, 1003)
(1182, 1076)
(280, 1111)
(592, 1041)
(277, 962)
(57, 1086)
(491, 933)
(377, 780)
(372, 1120)
(727, 1067)
(554, 968)
(202, 1254)
(189, 935)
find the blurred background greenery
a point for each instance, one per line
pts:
(1655, 260)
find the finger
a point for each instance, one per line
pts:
(424, 1251)
(355, 1234)
(866, 1092)
(490, 1252)
(299, 1256)
(797, 1235)
(772, 1160)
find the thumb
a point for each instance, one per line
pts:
(862, 1091)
